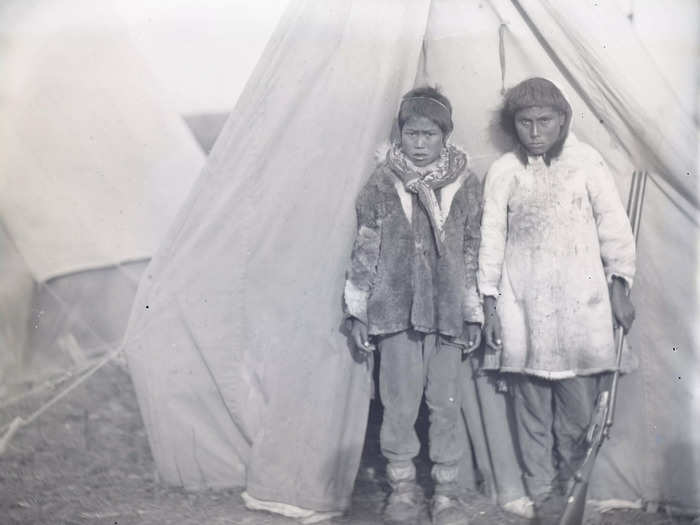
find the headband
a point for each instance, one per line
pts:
(428, 107)
(429, 99)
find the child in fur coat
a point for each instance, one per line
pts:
(411, 292)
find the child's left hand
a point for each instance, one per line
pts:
(622, 307)
(472, 333)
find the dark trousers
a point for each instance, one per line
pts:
(412, 362)
(552, 419)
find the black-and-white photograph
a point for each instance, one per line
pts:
(402, 262)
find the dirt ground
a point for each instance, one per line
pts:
(87, 461)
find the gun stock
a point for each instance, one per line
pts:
(576, 505)
(576, 501)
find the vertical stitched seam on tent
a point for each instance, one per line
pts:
(424, 62)
(502, 55)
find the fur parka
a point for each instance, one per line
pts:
(396, 278)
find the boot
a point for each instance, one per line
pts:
(406, 501)
(446, 507)
(549, 508)
(447, 510)
(523, 507)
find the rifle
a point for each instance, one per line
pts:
(603, 414)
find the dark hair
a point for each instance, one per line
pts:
(427, 101)
(529, 93)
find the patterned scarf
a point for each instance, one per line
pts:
(424, 181)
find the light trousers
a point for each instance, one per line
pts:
(413, 363)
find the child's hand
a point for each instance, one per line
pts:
(472, 333)
(622, 307)
(360, 337)
(492, 324)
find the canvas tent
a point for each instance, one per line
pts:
(236, 343)
(93, 167)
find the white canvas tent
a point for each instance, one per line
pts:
(93, 166)
(236, 345)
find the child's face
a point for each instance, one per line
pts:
(421, 140)
(538, 128)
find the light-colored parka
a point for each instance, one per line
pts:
(552, 238)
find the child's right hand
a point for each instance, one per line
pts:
(360, 336)
(492, 324)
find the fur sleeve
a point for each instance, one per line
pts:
(365, 254)
(473, 311)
